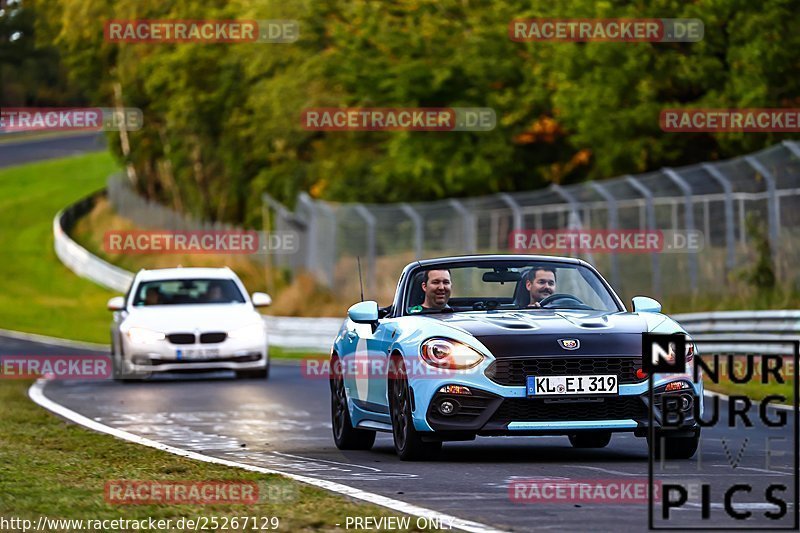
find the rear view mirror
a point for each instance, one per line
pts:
(504, 276)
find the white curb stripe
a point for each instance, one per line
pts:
(36, 393)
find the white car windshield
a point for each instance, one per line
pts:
(187, 292)
(508, 286)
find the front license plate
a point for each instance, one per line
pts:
(197, 353)
(570, 385)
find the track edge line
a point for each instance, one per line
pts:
(36, 394)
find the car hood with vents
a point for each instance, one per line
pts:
(539, 332)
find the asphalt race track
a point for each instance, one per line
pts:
(29, 150)
(283, 424)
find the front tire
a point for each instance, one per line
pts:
(345, 436)
(408, 442)
(116, 370)
(595, 439)
(119, 372)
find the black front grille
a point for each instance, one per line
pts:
(541, 410)
(181, 338)
(210, 338)
(515, 370)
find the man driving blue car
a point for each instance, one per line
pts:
(437, 287)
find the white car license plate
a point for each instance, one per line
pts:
(567, 385)
(197, 353)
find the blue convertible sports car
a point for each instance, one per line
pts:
(504, 345)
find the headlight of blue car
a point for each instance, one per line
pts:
(449, 354)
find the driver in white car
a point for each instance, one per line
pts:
(541, 283)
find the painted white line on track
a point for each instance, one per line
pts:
(326, 461)
(764, 471)
(606, 470)
(36, 394)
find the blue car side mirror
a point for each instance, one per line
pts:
(643, 304)
(364, 312)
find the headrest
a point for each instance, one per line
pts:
(521, 295)
(417, 294)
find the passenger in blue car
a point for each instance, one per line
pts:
(541, 283)
(437, 287)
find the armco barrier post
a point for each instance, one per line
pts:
(689, 219)
(651, 225)
(730, 236)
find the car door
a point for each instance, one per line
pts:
(379, 364)
(365, 361)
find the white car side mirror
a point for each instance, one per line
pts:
(261, 299)
(117, 303)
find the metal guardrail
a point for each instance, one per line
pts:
(77, 258)
(716, 331)
(313, 334)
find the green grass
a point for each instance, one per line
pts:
(755, 390)
(294, 353)
(56, 469)
(39, 294)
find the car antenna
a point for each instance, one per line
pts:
(360, 281)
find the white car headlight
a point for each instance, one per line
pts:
(447, 353)
(145, 336)
(253, 330)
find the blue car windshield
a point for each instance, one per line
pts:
(530, 286)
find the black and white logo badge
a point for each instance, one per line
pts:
(569, 344)
(664, 354)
